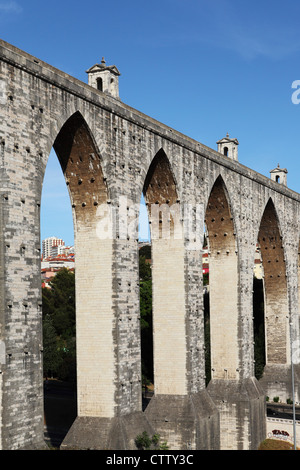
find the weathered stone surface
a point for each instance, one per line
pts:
(119, 433)
(111, 154)
(186, 422)
(241, 405)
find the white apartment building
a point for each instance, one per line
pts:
(61, 250)
(49, 243)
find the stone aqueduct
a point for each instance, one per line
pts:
(111, 153)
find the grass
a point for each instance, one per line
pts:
(276, 444)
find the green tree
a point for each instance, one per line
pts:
(259, 327)
(146, 330)
(146, 314)
(146, 304)
(207, 337)
(145, 251)
(63, 302)
(51, 357)
(59, 327)
(144, 269)
(145, 442)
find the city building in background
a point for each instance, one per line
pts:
(49, 243)
(56, 255)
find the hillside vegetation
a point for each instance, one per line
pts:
(274, 444)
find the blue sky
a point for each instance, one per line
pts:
(204, 68)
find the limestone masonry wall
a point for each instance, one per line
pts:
(111, 154)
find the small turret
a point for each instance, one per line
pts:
(279, 175)
(105, 78)
(228, 147)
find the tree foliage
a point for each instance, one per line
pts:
(59, 327)
(146, 313)
(145, 442)
(259, 327)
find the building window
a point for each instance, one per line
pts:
(226, 151)
(99, 84)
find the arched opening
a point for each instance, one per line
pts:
(223, 285)
(277, 179)
(275, 287)
(226, 151)
(205, 273)
(58, 305)
(168, 303)
(145, 282)
(82, 169)
(258, 315)
(99, 84)
(81, 166)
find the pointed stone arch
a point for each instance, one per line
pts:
(275, 286)
(161, 196)
(173, 397)
(81, 164)
(223, 283)
(229, 385)
(160, 182)
(219, 219)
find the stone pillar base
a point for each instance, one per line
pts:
(119, 433)
(185, 422)
(242, 408)
(277, 382)
(38, 445)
